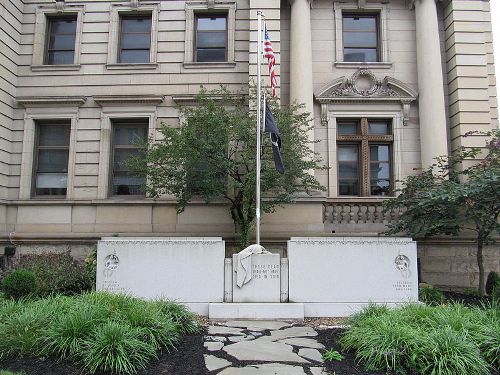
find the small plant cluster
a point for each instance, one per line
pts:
(493, 285)
(52, 272)
(430, 295)
(446, 340)
(98, 331)
(332, 355)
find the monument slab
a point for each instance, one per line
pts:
(264, 285)
(189, 270)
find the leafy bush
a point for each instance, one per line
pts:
(18, 284)
(446, 339)
(98, 331)
(430, 295)
(492, 282)
(5, 372)
(332, 355)
(56, 273)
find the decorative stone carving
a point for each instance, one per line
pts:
(364, 86)
(60, 5)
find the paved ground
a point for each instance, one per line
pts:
(263, 348)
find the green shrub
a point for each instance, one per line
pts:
(5, 372)
(180, 314)
(18, 284)
(56, 273)
(332, 355)
(430, 295)
(492, 282)
(446, 339)
(117, 347)
(445, 351)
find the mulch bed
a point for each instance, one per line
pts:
(467, 299)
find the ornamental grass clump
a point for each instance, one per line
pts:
(441, 340)
(98, 331)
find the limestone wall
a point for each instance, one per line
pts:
(453, 264)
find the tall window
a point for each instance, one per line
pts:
(364, 157)
(60, 44)
(135, 39)
(126, 136)
(211, 38)
(51, 158)
(361, 37)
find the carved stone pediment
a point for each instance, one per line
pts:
(364, 86)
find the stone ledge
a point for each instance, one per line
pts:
(256, 311)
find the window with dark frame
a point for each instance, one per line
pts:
(135, 39)
(127, 134)
(60, 43)
(51, 158)
(211, 38)
(364, 157)
(360, 37)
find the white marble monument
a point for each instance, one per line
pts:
(338, 276)
(189, 270)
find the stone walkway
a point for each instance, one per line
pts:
(263, 348)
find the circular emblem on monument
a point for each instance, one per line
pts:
(364, 83)
(111, 262)
(402, 263)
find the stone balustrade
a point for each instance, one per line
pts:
(357, 216)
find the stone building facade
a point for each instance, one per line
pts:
(391, 84)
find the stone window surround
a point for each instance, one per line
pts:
(108, 114)
(201, 7)
(28, 153)
(39, 43)
(397, 128)
(382, 10)
(142, 8)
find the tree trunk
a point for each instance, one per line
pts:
(479, 254)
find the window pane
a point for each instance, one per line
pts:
(211, 55)
(211, 23)
(212, 39)
(126, 184)
(360, 23)
(348, 171)
(136, 24)
(380, 187)
(379, 153)
(53, 135)
(134, 56)
(379, 170)
(55, 160)
(67, 26)
(127, 135)
(120, 157)
(348, 188)
(347, 128)
(360, 39)
(381, 128)
(136, 41)
(360, 54)
(348, 153)
(51, 180)
(60, 57)
(66, 42)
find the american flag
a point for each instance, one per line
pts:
(271, 62)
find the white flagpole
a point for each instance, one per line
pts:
(257, 178)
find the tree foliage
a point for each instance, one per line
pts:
(447, 198)
(212, 156)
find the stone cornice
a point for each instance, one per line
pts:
(104, 100)
(364, 87)
(32, 101)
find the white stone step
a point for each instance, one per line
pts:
(256, 311)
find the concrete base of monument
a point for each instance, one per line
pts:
(266, 311)
(339, 310)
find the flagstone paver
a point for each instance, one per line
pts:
(213, 346)
(306, 343)
(311, 354)
(218, 330)
(213, 363)
(289, 349)
(266, 369)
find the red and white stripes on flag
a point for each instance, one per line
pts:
(271, 62)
